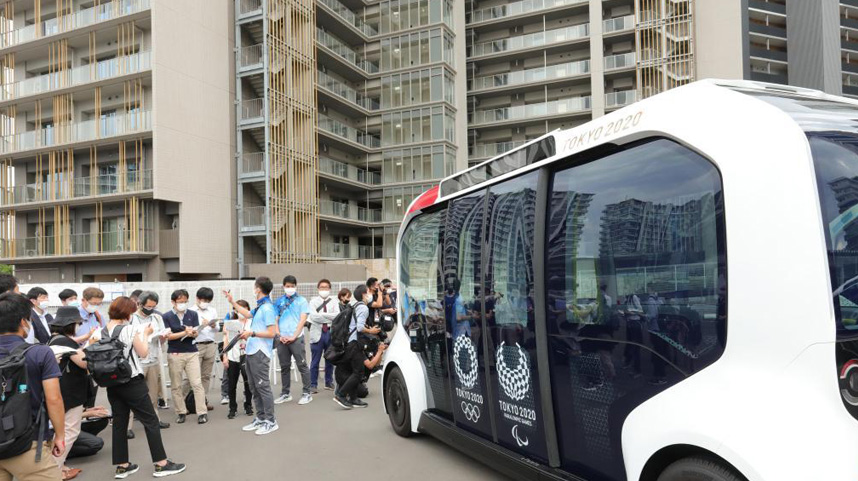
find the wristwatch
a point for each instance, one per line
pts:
(253, 334)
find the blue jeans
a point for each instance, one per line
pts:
(316, 351)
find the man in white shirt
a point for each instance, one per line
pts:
(323, 309)
(151, 365)
(206, 339)
(39, 318)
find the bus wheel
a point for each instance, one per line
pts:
(699, 468)
(398, 408)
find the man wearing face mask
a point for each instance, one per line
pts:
(206, 338)
(92, 321)
(293, 309)
(183, 356)
(323, 310)
(68, 297)
(40, 320)
(151, 365)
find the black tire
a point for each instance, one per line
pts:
(699, 468)
(396, 402)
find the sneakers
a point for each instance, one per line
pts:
(224, 400)
(267, 427)
(305, 399)
(343, 402)
(231, 415)
(329, 387)
(202, 418)
(284, 398)
(180, 419)
(122, 473)
(254, 425)
(358, 403)
(163, 425)
(168, 469)
(130, 434)
(314, 390)
(248, 411)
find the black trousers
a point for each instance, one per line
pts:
(232, 372)
(133, 396)
(350, 370)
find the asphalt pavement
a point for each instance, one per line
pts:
(317, 441)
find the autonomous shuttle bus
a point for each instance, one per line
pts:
(669, 292)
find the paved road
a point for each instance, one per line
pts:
(318, 441)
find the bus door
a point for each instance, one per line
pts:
(462, 245)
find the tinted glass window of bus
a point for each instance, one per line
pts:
(835, 158)
(420, 275)
(636, 290)
(509, 315)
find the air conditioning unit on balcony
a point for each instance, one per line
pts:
(32, 253)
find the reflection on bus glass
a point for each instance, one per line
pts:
(636, 286)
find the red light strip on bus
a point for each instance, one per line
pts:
(425, 200)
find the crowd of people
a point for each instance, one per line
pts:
(53, 366)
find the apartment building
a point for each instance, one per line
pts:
(116, 126)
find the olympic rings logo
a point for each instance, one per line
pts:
(472, 411)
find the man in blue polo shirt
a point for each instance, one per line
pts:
(293, 309)
(183, 356)
(258, 354)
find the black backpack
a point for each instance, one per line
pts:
(339, 335)
(16, 413)
(106, 360)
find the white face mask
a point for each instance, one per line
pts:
(204, 305)
(324, 294)
(367, 299)
(352, 301)
(181, 307)
(43, 305)
(91, 308)
(290, 291)
(74, 303)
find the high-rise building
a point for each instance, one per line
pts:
(115, 118)
(221, 137)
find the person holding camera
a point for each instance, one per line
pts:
(350, 370)
(184, 357)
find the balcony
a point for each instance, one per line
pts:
(342, 90)
(50, 83)
(333, 250)
(84, 18)
(104, 244)
(342, 50)
(102, 185)
(618, 24)
(348, 172)
(514, 9)
(485, 151)
(249, 8)
(350, 17)
(343, 210)
(339, 129)
(768, 6)
(769, 30)
(620, 99)
(252, 219)
(618, 62)
(252, 164)
(250, 58)
(531, 40)
(252, 111)
(850, 44)
(540, 75)
(85, 131)
(574, 105)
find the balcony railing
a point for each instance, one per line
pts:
(618, 24)
(349, 172)
(336, 87)
(336, 250)
(252, 110)
(125, 65)
(621, 98)
(79, 244)
(247, 7)
(542, 109)
(252, 163)
(350, 212)
(531, 40)
(625, 60)
(83, 18)
(59, 190)
(485, 151)
(350, 17)
(518, 8)
(250, 57)
(88, 130)
(541, 74)
(338, 47)
(349, 133)
(252, 218)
